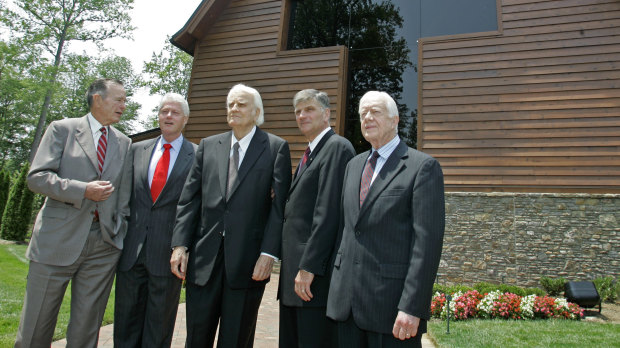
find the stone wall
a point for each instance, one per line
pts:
(516, 238)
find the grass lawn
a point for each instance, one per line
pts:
(524, 333)
(12, 288)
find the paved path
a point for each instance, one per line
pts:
(266, 326)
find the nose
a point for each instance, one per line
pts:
(123, 106)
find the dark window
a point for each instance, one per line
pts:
(382, 39)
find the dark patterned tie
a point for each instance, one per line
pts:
(161, 173)
(101, 147)
(303, 160)
(369, 170)
(233, 166)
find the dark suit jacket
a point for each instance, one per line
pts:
(150, 224)
(391, 246)
(311, 220)
(251, 219)
(65, 163)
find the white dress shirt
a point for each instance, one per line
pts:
(159, 151)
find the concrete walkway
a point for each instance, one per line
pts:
(266, 326)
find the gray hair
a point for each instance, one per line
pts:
(389, 103)
(175, 98)
(100, 86)
(258, 102)
(311, 94)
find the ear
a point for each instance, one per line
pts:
(327, 114)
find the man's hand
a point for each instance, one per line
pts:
(302, 285)
(263, 268)
(405, 326)
(98, 191)
(178, 262)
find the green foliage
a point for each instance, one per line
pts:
(168, 71)
(451, 289)
(553, 287)
(11, 228)
(608, 288)
(5, 184)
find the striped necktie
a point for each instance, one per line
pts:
(101, 147)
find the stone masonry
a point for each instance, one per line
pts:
(516, 238)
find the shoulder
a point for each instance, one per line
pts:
(273, 139)
(340, 142)
(119, 134)
(189, 143)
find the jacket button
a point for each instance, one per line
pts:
(357, 232)
(284, 220)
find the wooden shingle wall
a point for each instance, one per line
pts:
(534, 107)
(243, 46)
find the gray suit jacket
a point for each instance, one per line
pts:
(250, 218)
(311, 220)
(65, 162)
(151, 223)
(391, 246)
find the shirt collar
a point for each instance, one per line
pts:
(386, 150)
(176, 143)
(318, 138)
(244, 143)
(95, 126)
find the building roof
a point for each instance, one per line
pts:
(198, 24)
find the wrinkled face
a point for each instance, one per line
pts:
(171, 119)
(110, 109)
(311, 118)
(378, 128)
(242, 113)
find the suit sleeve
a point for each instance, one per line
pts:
(125, 191)
(428, 218)
(188, 208)
(43, 176)
(326, 217)
(280, 183)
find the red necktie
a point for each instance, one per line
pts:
(101, 147)
(369, 170)
(161, 173)
(303, 160)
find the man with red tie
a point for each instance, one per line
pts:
(147, 293)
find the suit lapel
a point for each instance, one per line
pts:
(313, 154)
(84, 137)
(145, 160)
(112, 151)
(258, 144)
(390, 169)
(223, 154)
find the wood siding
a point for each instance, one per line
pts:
(243, 46)
(533, 107)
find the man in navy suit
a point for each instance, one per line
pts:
(147, 293)
(311, 220)
(393, 215)
(229, 224)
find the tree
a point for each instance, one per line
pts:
(5, 184)
(12, 223)
(52, 24)
(377, 56)
(167, 71)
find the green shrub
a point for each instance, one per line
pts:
(15, 219)
(485, 287)
(504, 288)
(5, 184)
(534, 291)
(439, 288)
(553, 287)
(458, 288)
(607, 288)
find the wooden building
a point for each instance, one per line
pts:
(531, 107)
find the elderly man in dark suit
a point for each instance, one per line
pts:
(311, 220)
(393, 214)
(147, 293)
(229, 225)
(83, 166)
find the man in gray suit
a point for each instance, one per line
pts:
(310, 230)
(83, 166)
(231, 224)
(147, 293)
(393, 215)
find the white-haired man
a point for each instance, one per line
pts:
(393, 213)
(147, 293)
(228, 227)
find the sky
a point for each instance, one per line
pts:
(154, 20)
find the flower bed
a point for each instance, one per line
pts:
(495, 304)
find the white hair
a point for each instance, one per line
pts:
(175, 98)
(258, 102)
(387, 100)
